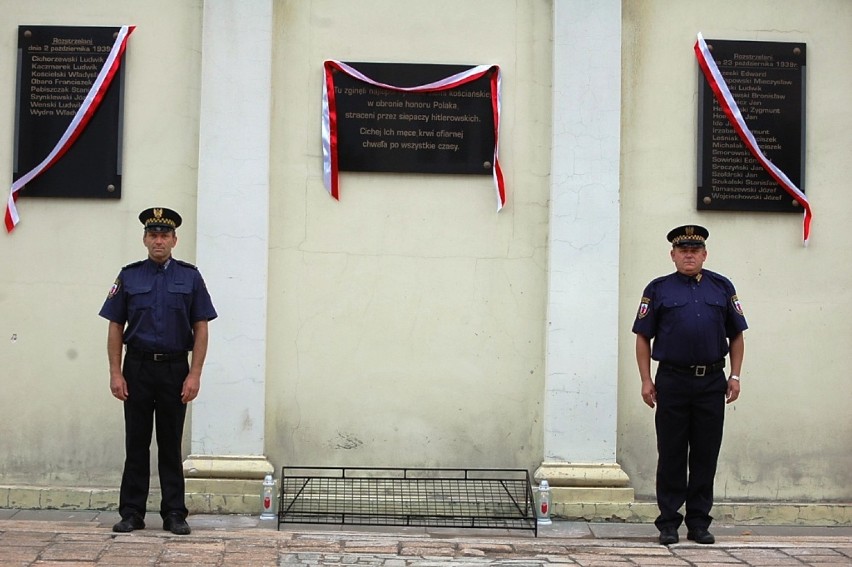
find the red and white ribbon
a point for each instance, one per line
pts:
(329, 116)
(732, 111)
(75, 128)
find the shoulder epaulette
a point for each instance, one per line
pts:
(133, 264)
(715, 276)
(187, 264)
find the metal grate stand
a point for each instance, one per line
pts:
(457, 498)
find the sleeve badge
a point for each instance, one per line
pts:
(114, 289)
(644, 307)
(737, 305)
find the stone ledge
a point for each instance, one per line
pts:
(742, 513)
(65, 498)
(227, 466)
(601, 475)
(224, 486)
(591, 494)
(207, 503)
(73, 498)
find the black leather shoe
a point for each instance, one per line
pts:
(668, 536)
(130, 523)
(176, 524)
(700, 535)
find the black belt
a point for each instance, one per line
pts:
(155, 356)
(695, 369)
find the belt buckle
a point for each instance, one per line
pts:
(159, 357)
(700, 370)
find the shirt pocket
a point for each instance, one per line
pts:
(715, 307)
(139, 296)
(673, 314)
(179, 295)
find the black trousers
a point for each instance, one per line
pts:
(153, 397)
(689, 419)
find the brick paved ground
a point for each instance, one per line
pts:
(54, 538)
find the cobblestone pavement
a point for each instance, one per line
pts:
(77, 538)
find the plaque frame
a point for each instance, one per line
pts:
(768, 81)
(57, 66)
(370, 140)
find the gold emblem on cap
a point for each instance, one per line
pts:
(158, 213)
(682, 237)
(690, 230)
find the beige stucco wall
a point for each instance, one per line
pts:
(60, 424)
(789, 436)
(407, 319)
(402, 318)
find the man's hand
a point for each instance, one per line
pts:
(191, 386)
(649, 393)
(118, 386)
(643, 359)
(733, 390)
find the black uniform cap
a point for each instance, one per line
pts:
(159, 219)
(688, 235)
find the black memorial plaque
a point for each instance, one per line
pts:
(384, 130)
(57, 65)
(767, 80)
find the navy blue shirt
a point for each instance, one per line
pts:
(159, 304)
(690, 318)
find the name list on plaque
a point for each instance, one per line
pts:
(767, 80)
(57, 66)
(384, 130)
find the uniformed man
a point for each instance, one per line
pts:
(159, 309)
(695, 320)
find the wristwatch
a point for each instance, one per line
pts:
(734, 377)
